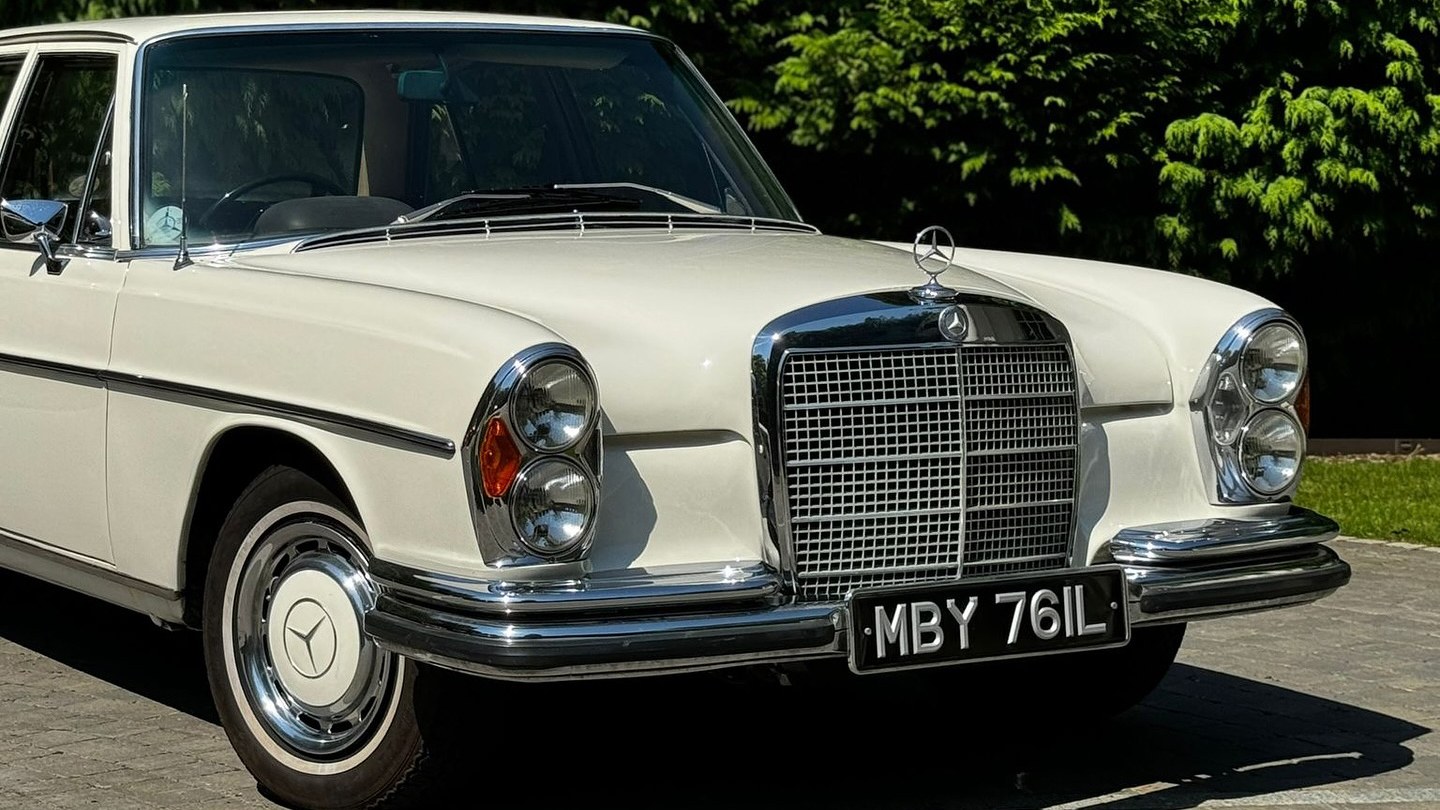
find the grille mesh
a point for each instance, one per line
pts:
(921, 464)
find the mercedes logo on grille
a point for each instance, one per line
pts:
(954, 324)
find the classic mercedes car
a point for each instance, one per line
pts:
(370, 343)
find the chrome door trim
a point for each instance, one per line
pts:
(34, 558)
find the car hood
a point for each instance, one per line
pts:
(668, 320)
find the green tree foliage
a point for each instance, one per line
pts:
(1287, 145)
(1236, 138)
(1239, 139)
(1046, 111)
(1323, 149)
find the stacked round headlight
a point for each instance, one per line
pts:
(538, 453)
(553, 505)
(1273, 363)
(553, 406)
(1250, 410)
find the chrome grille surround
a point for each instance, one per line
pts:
(888, 455)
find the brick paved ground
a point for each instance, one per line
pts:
(1326, 706)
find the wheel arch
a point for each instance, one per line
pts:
(233, 459)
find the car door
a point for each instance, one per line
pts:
(56, 317)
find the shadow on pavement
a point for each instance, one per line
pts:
(698, 742)
(706, 741)
(106, 642)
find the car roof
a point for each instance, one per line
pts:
(141, 29)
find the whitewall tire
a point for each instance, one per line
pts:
(321, 716)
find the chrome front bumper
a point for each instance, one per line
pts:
(695, 618)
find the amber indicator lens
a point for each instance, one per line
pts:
(499, 459)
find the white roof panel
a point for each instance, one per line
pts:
(140, 29)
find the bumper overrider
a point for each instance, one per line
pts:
(705, 617)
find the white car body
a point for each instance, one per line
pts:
(124, 377)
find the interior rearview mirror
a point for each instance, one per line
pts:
(422, 85)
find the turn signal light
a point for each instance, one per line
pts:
(499, 459)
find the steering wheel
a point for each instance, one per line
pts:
(315, 181)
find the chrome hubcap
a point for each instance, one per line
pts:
(312, 676)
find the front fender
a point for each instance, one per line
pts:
(384, 357)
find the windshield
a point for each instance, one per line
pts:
(273, 135)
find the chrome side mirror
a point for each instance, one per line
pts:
(36, 222)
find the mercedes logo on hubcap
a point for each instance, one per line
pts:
(309, 638)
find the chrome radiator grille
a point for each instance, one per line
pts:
(919, 464)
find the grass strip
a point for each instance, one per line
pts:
(1379, 497)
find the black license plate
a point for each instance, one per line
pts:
(982, 619)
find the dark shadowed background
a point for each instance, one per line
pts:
(1291, 147)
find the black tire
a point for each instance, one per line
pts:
(341, 756)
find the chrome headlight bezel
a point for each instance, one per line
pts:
(1224, 406)
(495, 524)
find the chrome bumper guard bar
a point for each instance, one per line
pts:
(708, 617)
(1207, 568)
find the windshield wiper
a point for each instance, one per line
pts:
(560, 198)
(536, 200)
(681, 200)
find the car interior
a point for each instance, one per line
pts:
(280, 140)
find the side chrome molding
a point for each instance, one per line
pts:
(367, 429)
(90, 577)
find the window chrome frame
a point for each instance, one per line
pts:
(866, 323)
(500, 543)
(32, 50)
(1220, 463)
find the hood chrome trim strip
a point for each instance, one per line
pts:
(579, 223)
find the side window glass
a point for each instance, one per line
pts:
(93, 228)
(62, 135)
(9, 70)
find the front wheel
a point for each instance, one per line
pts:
(320, 715)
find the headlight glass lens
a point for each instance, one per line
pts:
(1273, 364)
(1227, 409)
(553, 504)
(553, 406)
(1270, 452)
